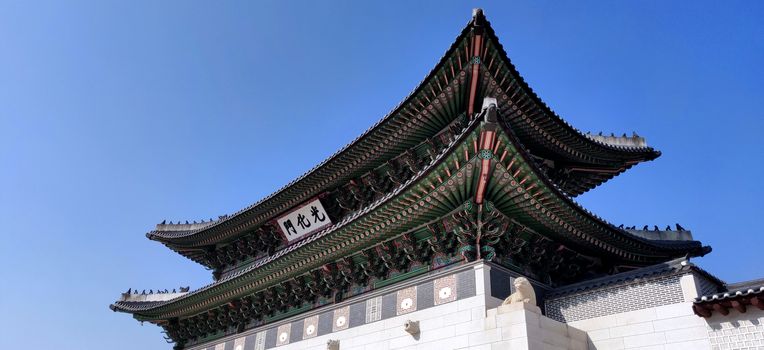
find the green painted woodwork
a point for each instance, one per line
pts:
(517, 191)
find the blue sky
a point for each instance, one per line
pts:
(117, 115)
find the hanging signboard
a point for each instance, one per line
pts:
(304, 220)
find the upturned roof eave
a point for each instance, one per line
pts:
(179, 237)
(146, 312)
(189, 238)
(645, 153)
(691, 247)
(142, 310)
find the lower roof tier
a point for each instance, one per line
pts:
(481, 197)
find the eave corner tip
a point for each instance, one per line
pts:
(705, 250)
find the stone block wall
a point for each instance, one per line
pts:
(456, 309)
(672, 326)
(440, 299)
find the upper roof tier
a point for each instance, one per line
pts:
(485, 163)
(474, 67)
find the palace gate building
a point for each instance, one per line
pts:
(412, 235)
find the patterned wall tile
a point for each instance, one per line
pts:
(501, 283)
(357, 314)
(325, 322)
(296, 332)
(238, 344)
(282, 334)
(373, 309)
(389, 306)
(432, 293)
(405, 300)
(310, 327)
(465, 282)
(445, 290)
(341, 319)
(249, 342)
(271, 336)
(424, 295)
(260, 341)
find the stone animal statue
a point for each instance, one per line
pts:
(524, 293)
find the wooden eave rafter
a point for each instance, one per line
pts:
(515, 185)
(451, 87)
(723, 307)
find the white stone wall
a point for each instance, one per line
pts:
(523, 327)
(463, 325)
(644, 320)
(447, 326)
(471, 323)
(457, 325)
(736, 330)
(663, 327)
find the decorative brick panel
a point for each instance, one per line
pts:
(737, 331)
(629, 296)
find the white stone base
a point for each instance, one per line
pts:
(663, 327)
(523, 327)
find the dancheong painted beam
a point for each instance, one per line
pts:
(472, 165)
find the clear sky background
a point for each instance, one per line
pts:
(117, 115)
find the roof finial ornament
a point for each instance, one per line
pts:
(477, 13)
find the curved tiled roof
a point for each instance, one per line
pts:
(667, 248)
(676, 266)
(137, 307)
(563, 127)
(735, 290)
(736, 296)
(327, 173)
